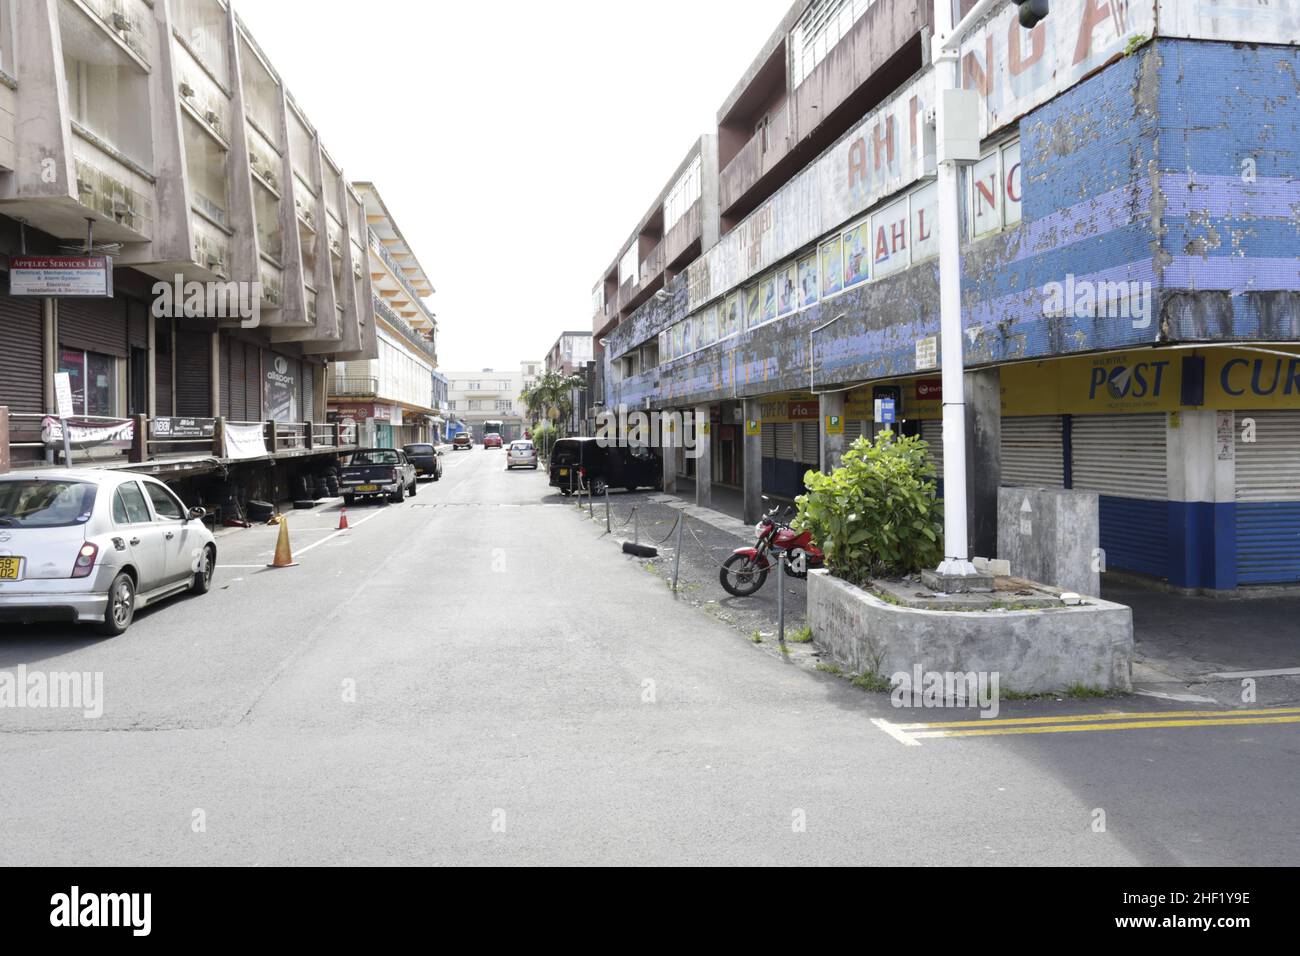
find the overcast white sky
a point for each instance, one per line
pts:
(517, 143)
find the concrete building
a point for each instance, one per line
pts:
(1131, 284)
(571, 351)
(143, 146)
(491, 395)
(390, 397)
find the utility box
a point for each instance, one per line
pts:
(1051, 536)
(959, 140)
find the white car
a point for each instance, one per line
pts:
(521, 454)
(95, 545)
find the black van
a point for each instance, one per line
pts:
(582, 464)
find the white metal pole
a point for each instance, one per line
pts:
(956, 543)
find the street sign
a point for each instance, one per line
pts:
(885, 411)
(834, 425)
(753, 426)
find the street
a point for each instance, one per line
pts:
(478, 675)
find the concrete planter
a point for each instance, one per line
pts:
(1033, 651)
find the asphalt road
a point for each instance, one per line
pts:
(477, 676)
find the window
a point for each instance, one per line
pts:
(822, 26)
(505, 405)
(93, 378)
(129, 506)
(682, 196)
(475, 406)
(165, 504)
(994, 191)
(787, 289)
(808, 280)
(729, 320)
(924, 204)
(627, 266)
(205, 162)
(889, 251)
(474, 386)
(451, 405)
(46, 503)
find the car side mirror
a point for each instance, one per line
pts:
(198, 514)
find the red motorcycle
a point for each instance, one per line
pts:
(744, 572)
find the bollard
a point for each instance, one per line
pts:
(636, 526)
(608, 529)
(780, 597)
(677, 557)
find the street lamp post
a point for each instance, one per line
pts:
(957, 142)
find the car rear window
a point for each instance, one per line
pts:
(45, 503)
(381, 457)
(522, 445)
(418, 449)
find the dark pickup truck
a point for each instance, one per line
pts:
(425, 459)
(377, 471)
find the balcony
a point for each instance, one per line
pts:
(395, 268)
(758, 157)
(352, 386)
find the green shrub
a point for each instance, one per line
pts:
(878, 514)
(544, 436)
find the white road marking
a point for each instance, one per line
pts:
(330, 537)
(1276, 672)
(901, 736)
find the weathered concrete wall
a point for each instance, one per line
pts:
(1178, 166)
(1031, 651)
(1051, 536)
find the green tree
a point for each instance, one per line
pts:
(878, 514)
(551, 398)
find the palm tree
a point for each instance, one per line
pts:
(551, 398)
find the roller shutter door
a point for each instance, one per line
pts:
(194, 374)
(1032, 452)
(237, 373)
(769, 441)
(223, 367)
(810, 444)
(163, 370)
(308, 392)
(94, 325)
(1268, 499)
(1122, 459)
(852, 430)
(932, 434)
(253, 383)
(21, 352)
(783, 441)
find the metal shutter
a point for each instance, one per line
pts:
(1122, 459)
(783, 441)
(224, 350)
(95, 325)
(137, 324)
(1032, 453)
(308, 392)
(1122, 455)
(237, 372)
(162, 371)
(253, 383)
(852, 431)
(932, 434)
(21, 353)
(810, 444)
(1268, 498)
(769, 442)
(194, 374)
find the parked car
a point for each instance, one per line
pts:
(521, 454)
(581, 464)
(463, 441)
(372, 472)
(492, 440)
(426, 460)
(95, 546)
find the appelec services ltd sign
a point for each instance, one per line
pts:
(64, 277)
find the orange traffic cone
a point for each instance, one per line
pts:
(343, 519)
(283, 556)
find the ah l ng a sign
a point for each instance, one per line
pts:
(64, 277)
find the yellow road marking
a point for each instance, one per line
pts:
(1075, 718)
(1132, 725)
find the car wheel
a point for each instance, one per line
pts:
(398, 496)
(203, 576)
(598, 487)
(121, 606)
(415, 487)
(349, 500)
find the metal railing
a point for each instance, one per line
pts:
(408, 333)
(353, 385)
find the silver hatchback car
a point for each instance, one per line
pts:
(93, 545)
(521, 454)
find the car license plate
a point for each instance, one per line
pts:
(563, 472)
(9, 568)
(367, 488)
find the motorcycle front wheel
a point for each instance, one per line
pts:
(741, 575)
